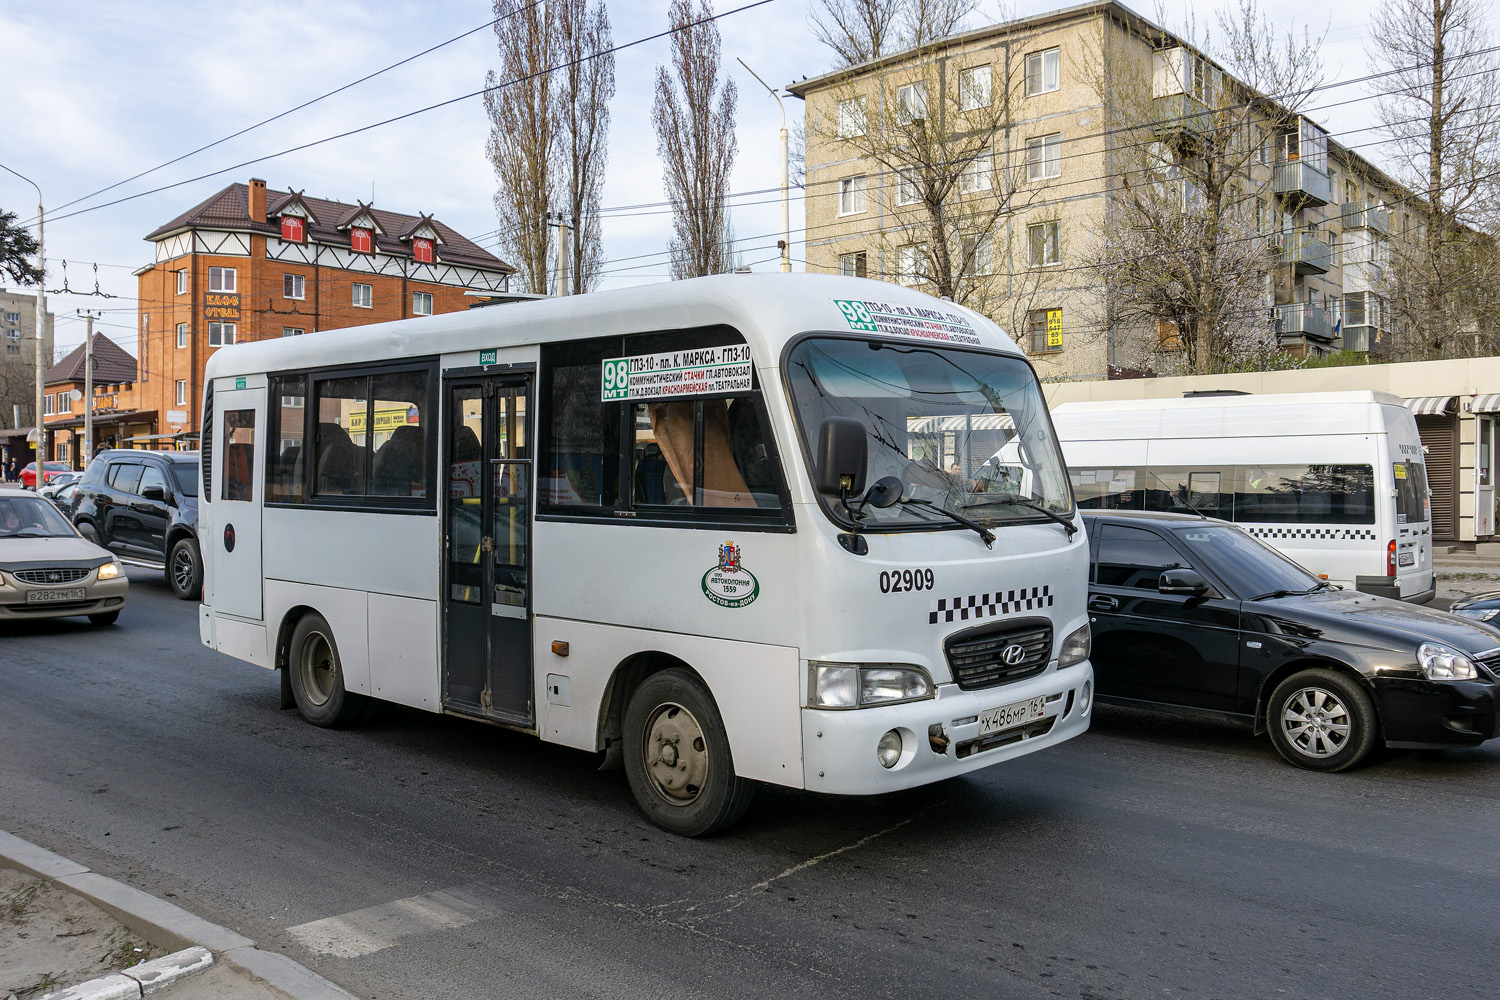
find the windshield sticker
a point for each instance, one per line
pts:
(730, 584)
(678, 373)
(908, 321)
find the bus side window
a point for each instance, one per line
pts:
(239, 455)
(286, 458)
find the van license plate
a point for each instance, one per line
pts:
(55, 596)
(1408, 559)
(992, 720)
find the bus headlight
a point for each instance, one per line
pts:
(858, 685)
(109, 571)
(1444, 663)
(1075, 647)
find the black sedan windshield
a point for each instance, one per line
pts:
(963, 431)
(1251, 569)
(31, 517)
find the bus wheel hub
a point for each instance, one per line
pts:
(676, 754)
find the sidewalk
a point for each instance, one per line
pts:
(67, 933)
(1462, 574)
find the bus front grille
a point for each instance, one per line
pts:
(983, 657)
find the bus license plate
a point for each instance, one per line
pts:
(54, 596)
(992, 720)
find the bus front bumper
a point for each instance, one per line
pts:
(940, 737)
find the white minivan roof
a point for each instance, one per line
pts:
(1311, 399)
(1298, 414)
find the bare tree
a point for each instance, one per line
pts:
(694, 119)
(1191, 238)
(924, 21)
(587, 84)
(1439, 102)
(524, 137)
(856, 30)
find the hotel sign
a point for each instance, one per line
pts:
(220, 307)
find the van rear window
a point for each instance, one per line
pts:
(1279, 494)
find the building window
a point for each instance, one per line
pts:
(292, 331)
(221, 279)
(908, 191)
(976, 177)
(1043, 72)
(12, 317)
(220, 334)
(974, 88)
(47, 404)
(1045, 327)
(13, 334)
(979, 253)
(364, 295)
(182, 392)
(293, 286)
(182, 281)
(851, 118)
(852, 265)
(1042, 244)
(1044, 157)
(852, 195)
(361, 240)
(12, 349)
(181, 335)
(421, 303)
(912, 101)
(910, 263)
(293, 229)
(421, 250)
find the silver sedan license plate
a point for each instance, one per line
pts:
(55, 596)
(992, 720)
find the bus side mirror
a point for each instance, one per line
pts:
(1185, 582)
(842, 456)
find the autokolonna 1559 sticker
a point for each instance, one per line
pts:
(730, 584)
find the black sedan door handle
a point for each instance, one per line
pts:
(1102, 602)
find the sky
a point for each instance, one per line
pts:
(99, 91)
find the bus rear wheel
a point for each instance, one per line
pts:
(677, 757)
(318, 677)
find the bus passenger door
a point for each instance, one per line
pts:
(237, 490)
(487, 666)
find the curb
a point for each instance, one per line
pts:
(139, 980)
(166, 924)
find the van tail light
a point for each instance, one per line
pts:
(1390, 558)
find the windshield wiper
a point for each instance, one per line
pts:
(1018, 501)
(984, 533)
(31, 533)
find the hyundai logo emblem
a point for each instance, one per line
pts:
(1013, 654)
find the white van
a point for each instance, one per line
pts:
(1335, 480)
(727, 531)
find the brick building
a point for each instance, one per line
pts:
(253, 264)
(118, 416)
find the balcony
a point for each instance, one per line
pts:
(1302, 319)
(1307, 252)
(1302, 183)
(1367, 215)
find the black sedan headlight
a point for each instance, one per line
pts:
(1444, 663)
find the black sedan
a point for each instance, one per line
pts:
(1194, 614)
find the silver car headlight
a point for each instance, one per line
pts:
(1075, 648)
(860, 685)
(1444, 663)
(109, 571)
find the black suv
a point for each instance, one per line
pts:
(143, 506)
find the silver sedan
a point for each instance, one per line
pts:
(47, 570)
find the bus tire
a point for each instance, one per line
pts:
(318, 677)
(185, 570)
(677, 757)
(1322, 720)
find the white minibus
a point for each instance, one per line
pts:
(725, 531)
(1334, 480)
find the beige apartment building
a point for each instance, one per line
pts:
(1032, 127)
(18, 343)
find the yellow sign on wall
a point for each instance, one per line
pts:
(1054, 328)
(386, 420)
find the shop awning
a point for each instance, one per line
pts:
(1487, 403)
(1430, 406)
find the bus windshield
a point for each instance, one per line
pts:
(963, 431)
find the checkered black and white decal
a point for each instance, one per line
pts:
(1001, 602)
(1338, 534)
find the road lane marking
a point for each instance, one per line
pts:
(374, 928)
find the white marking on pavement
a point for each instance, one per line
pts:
(374, 928)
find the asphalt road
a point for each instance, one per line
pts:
(419, 856)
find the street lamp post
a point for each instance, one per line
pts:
(41, 329)
(786, 179)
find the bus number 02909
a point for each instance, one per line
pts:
(897, 581)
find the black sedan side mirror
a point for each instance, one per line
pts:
(153, 493)
(1186, 582)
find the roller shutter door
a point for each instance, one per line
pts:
(1440, 439)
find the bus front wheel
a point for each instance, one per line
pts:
(677, 757)
(318, 678)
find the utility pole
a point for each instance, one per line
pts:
(564, 246)
(41, 327)
(786, 174)
(87, 451)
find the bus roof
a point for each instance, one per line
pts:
(768, 309)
